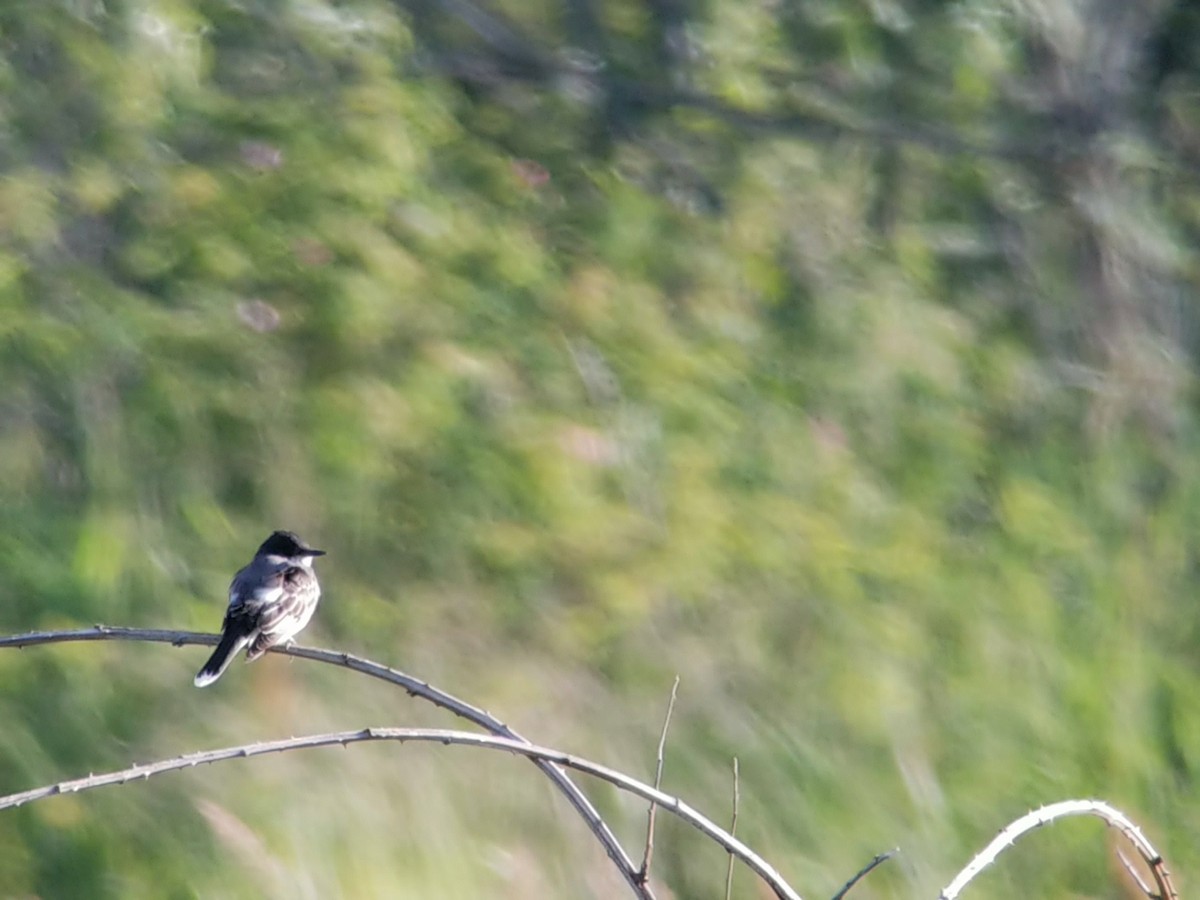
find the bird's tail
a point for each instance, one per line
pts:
(227, 649)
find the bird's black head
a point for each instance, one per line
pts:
(286, 543)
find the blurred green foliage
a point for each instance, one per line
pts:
(837, 356)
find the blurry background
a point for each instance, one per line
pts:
(837, 356)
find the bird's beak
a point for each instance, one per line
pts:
(309, 551)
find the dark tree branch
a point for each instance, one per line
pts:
(864, 872)
(508, 51)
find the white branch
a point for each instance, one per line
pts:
(1047, 814)
(430, 735)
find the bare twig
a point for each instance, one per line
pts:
(414, 687)
(1135, 875)
(1047, 814)
(733, 826)
(644, 873)
(428, 735)
(864, 872)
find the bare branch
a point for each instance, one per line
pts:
(414, 687)
(644, 874)
(1047, 814)
(733, 826)
(864, 872)
(427, 735)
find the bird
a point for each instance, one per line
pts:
(271, 599)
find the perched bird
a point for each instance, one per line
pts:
(270, 602)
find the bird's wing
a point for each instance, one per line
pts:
(258, 584)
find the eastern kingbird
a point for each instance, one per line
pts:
(270, 601)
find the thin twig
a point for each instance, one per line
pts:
(1135, 875)
(864, 872)
(733, 827)
(427, 735)
(414, 687)
(1047, 814)
(644, 873)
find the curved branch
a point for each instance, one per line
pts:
(415, 688)
(430, 735)
(1047, 814)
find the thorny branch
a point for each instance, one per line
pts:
(414, 687)
(427, 735)
(1047, 814)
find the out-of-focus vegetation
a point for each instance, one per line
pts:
(837, 356)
